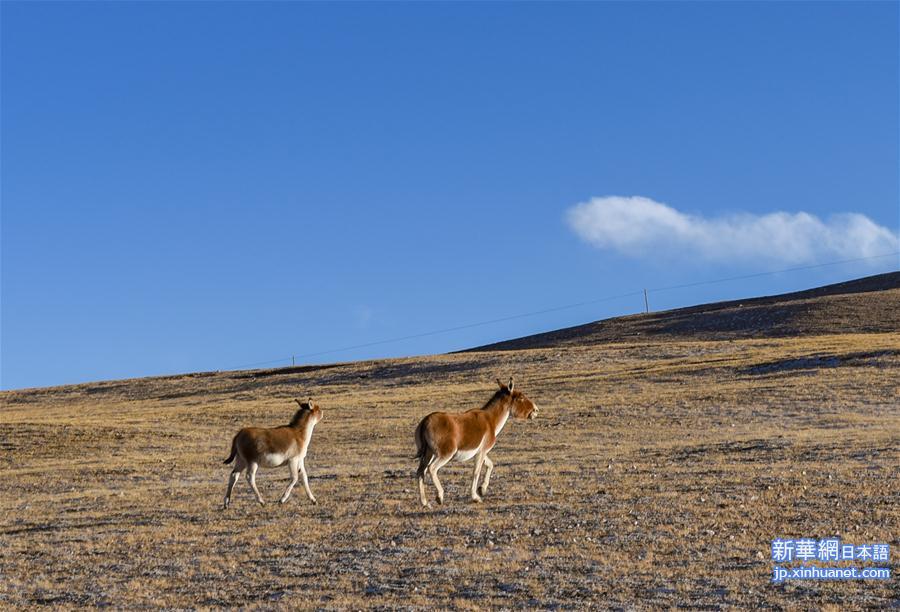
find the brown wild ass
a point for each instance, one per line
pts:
(255, 447)
(443, 436)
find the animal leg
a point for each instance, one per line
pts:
(487, 474)
(437, 464)
(232, 480)
(293, 465)
(479, 460)
(251, 478)
(420, 475)
(306, 481)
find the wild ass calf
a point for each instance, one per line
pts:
(442, 436)
(255, 447)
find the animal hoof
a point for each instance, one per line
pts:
(481, 491)
(315, 503)
(477, 499)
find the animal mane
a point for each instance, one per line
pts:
(498, 394)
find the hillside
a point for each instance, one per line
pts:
(865, 305)
(658, 472)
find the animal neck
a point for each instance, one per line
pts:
(300, 421)
(302, 429)
(499, 413)
(308, 427)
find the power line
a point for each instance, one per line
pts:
(471, 325)
(557, 309)
(758, 274)
(442, 331)
(259, 363)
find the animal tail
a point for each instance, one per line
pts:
(421, 443)
(233, 451)
(424, 453)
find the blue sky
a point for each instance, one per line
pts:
(201, 186)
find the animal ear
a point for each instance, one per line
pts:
(501, 385)
(510, 385)
(299, 403)
(309, 401)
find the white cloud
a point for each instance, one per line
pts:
(641, 227)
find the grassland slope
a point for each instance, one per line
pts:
(660, 469)
(865, 305)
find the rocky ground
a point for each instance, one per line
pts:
(656, 476)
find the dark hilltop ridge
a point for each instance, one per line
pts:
(865, 305)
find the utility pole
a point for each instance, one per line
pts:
(646, 302)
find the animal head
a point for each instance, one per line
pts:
(307, 407)
(521, 407)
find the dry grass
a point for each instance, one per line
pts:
(657, 475)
